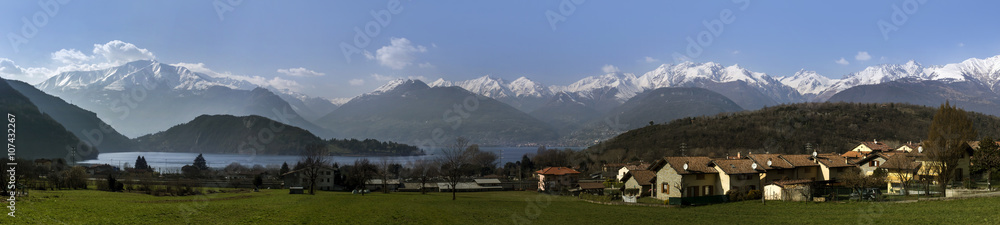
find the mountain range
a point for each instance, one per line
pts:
(144, 97)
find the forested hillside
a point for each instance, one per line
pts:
(825, 127)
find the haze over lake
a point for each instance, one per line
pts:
(172, 161)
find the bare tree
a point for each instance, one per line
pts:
(858, 182)
(360, 173)
(454, 164)
(314, 160)
(384, 169)
(947, 141)
(901, 168)
(423, 170)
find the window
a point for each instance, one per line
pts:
(808, 169)
(709, 190)
(781, 172)
(665, 188)
(700, 177)
(692, 191)
(753, 187)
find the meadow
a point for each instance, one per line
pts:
(278, 207)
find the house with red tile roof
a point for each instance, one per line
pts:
(738, 174)
(641, 180)
(685, 177)
(805, 167)
(775, 168)
(556, 178)
(831, 166)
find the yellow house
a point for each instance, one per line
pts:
(831, 165)
(874, 146)
(929, 167)
(910, 147)
(805, 167)
(738, 174)
(900, 168)
(872, 162)
(775, 167)
(685, 177)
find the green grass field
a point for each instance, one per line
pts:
(277, 207)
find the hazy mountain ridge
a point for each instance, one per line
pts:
(82, 123)
(410, 111)
(36, 134)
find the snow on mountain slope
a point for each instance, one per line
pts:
(808, 82)
(139, 74)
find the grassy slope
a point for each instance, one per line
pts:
(277, 207)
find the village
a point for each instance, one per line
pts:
(871, 171)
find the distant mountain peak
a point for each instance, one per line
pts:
(400, 84)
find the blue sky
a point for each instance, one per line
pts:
(297, 44)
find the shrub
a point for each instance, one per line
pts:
(735, 195)
(753, 195)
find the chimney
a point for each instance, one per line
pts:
(738, 155)
(875, 140)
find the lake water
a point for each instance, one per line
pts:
(171, 162)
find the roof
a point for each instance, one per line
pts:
(643, 177)
(487, 181)
(833, 160)
(877, 146)
(975, 144)
(736, 166)
(871, 157)
(901, 162)
(465, 186)
(776, 163)
(641, 166)
(557, 171)
(793, 182)
(698, 164)
(379, 181)
(591, 185)
(853, 154)
(414, 185)
(799, 160)
(615, 165)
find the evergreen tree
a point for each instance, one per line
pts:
(200, 163)
(987, 159)
(284, 169)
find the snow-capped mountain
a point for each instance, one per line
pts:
(138, 74)
(808, 83)
(979, 70)
(985, 70)
(522, 93)
(750, 89)
(143, 97)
